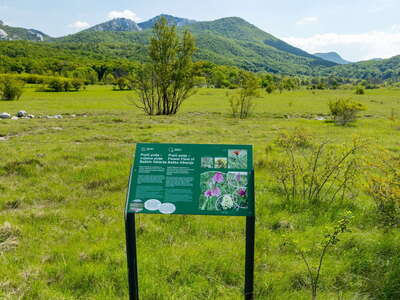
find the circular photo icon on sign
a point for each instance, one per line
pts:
(167, 208)
(152, 204)
(136, 206)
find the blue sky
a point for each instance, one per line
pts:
(357, 29)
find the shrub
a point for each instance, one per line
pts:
(330, 239)
(11, 89)
(242, 101)
(384, 187)
(77, 84)
(311, 174)
(56, 85)
(360, 90)
(122, 83)
(345, 111)
(109, 79)
(269, 89)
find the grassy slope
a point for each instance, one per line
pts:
(63, 183)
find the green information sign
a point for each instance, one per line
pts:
(192, 179)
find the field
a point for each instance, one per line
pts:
(62, 193)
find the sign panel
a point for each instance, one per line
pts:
(192, 179)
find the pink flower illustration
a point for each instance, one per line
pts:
(242, 192)
(218, 177)
(216, 192)
(208, 193)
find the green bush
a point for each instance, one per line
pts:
(56, 85)
(77, 84)
(385, 190)
(122, 83)
(10, 88)
(241, 102)
(345, 111)
(65, 85)
(360, 90)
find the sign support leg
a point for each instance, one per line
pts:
(249, 267)
(132, 257)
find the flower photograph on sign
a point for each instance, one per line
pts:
(237, 159)
(207, 162)
(221, 163)
(223, 191)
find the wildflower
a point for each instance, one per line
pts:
(242, 192)
(216, 192)
(208, 193)
(236, 152)
(218, 177)
(227, 202)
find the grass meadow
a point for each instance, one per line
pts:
(63, 184)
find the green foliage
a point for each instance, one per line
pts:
(242, 101)
(384, 187)
(10, 88)
(168, 79)
(78, 220)
(360, 90)
(314, 174)
(64, 85)
(122, 83)
(330, 240)
(345, 111)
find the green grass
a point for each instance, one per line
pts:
(63, 185)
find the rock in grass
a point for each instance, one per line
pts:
(21, 114)
(14, 118)
(30, 116)
(5, 115)
(58, 117)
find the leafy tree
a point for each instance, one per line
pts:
(168, 79)
(242, 101)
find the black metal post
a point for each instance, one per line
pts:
(249, 267)
(132, 257)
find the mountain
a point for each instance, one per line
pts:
(116, 25)
(333, 57)
(9, 33)
(227, 41)
(378, 70)
(171, 21)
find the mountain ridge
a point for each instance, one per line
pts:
(172, 20)
(10, 33)
(116, 25)
(228, 41)
(333, 57)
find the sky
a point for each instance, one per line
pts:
(356, 29)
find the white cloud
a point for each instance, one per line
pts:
(127, 14)
(307, 20)
(355, 47)
(79, 25)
